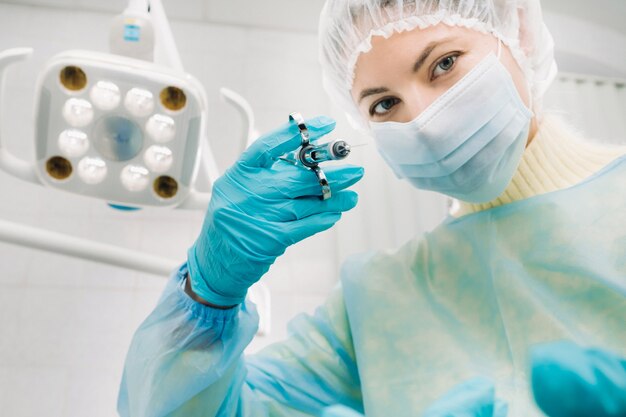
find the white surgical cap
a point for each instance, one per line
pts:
(347, 28)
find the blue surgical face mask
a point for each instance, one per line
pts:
(468, 143)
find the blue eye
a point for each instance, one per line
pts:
(444, 66)
(383, 106)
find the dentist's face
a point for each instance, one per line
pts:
(400, 76)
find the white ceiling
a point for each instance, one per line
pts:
(298, 15)
(590, 35)
(302, 15)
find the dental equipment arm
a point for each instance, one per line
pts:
(36, 238)
(166, 51)
(138, 6)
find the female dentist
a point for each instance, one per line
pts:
(533, 251)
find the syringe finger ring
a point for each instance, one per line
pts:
(321, 178)
(304, 131)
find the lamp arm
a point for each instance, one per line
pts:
(138, 6)
(166, 51)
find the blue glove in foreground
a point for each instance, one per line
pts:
(259, 207)
(571, 381)
(473, 398)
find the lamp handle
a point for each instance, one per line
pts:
(245, 111)
(198, 200)
(10, 163)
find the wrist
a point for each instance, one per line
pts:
(189, 291)
(210, 282)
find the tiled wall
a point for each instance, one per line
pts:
(65, 324)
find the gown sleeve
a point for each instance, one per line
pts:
(186, 359)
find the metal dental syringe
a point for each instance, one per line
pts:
(310, 155)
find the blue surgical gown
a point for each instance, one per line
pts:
(405, 326)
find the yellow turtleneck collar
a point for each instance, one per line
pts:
(555, 159)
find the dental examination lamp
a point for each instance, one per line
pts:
(129, 127)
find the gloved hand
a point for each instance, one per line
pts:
(259, 207)
(473, 398)
(340, 411)
(571, 381)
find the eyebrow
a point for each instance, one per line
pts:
(371, 91)
(425, 54)
(416, 67)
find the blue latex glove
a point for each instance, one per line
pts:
(259, 207)
(571, 381)
(473, 398)
(340, 411)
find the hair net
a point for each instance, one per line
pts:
(347, 28)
